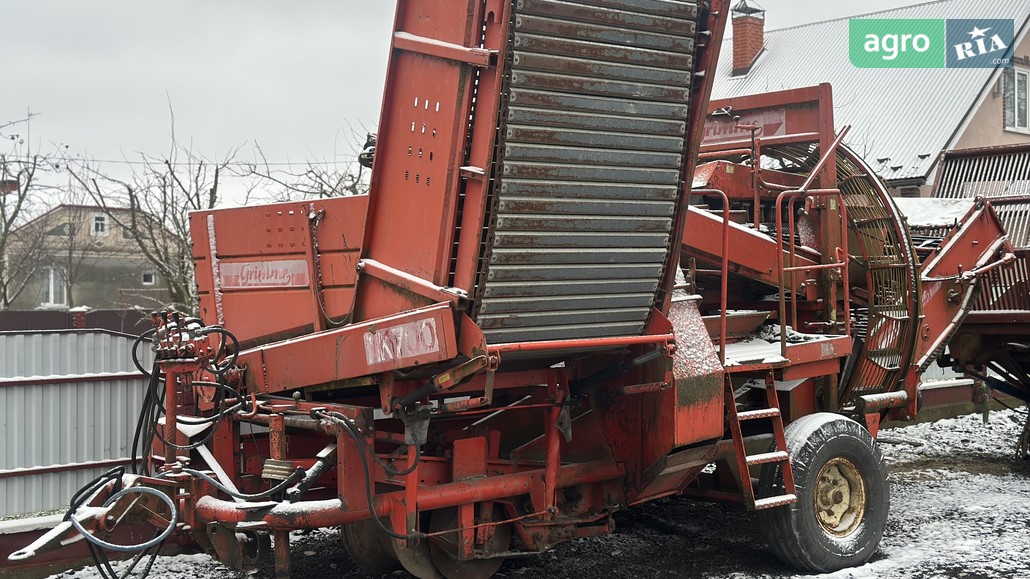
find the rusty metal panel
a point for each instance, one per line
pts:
(566, 290)
(588, 167)
(423, 128)
(570, 256)
(655, 116)
(301, 256)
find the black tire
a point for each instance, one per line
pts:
(368, 548)
(835, 456)
(417, 559)
(444, 547)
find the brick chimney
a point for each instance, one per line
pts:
(748, 35)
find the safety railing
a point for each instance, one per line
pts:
(725, 269)
(840, 253)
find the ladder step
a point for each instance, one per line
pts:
(758, 414)
(776, 501)
(777, 456)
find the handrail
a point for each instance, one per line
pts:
(723, 303)
(840, 253)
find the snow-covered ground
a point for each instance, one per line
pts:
(960, 507)
(960, 501)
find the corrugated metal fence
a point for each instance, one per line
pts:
(129, 321)
(68, 406)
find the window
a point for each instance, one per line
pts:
(99, 225)
(54, 293)
(149, 278)
(1015, 84)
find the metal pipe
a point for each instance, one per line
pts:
(581, 343)
(171, 433)
(756, 166)
(820, 266)
(296, 421)
(780, 268)
(334, 512)
(551, 439)
(791, 232)
(648, 388)
(724, 153)
(842, 262)
(825, 158)
(871, 403)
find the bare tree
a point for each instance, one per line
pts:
(20, 200)
(159, 196)
(319, 179)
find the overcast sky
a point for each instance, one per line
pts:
(291, 76)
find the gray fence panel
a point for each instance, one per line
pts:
(68, 407)
(64, 353)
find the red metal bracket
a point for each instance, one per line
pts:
(423, 336)
(412, 283)
(431, 47)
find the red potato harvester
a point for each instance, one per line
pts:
(532, 322)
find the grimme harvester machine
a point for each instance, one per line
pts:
(533, 321)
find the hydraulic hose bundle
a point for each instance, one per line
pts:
(173, 338)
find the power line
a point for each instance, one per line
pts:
(345, 160)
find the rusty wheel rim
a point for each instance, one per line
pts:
(840, 497)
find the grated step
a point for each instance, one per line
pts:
(758, 414)
(777, 501)
(765, 457)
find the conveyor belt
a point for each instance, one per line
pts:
(588, 167)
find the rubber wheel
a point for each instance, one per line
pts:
(416, 559)
(843, 498)
(368, 548)
(444, 547)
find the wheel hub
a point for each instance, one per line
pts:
(840, 497)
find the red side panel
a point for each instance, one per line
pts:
(421, 147)
(261, 282)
